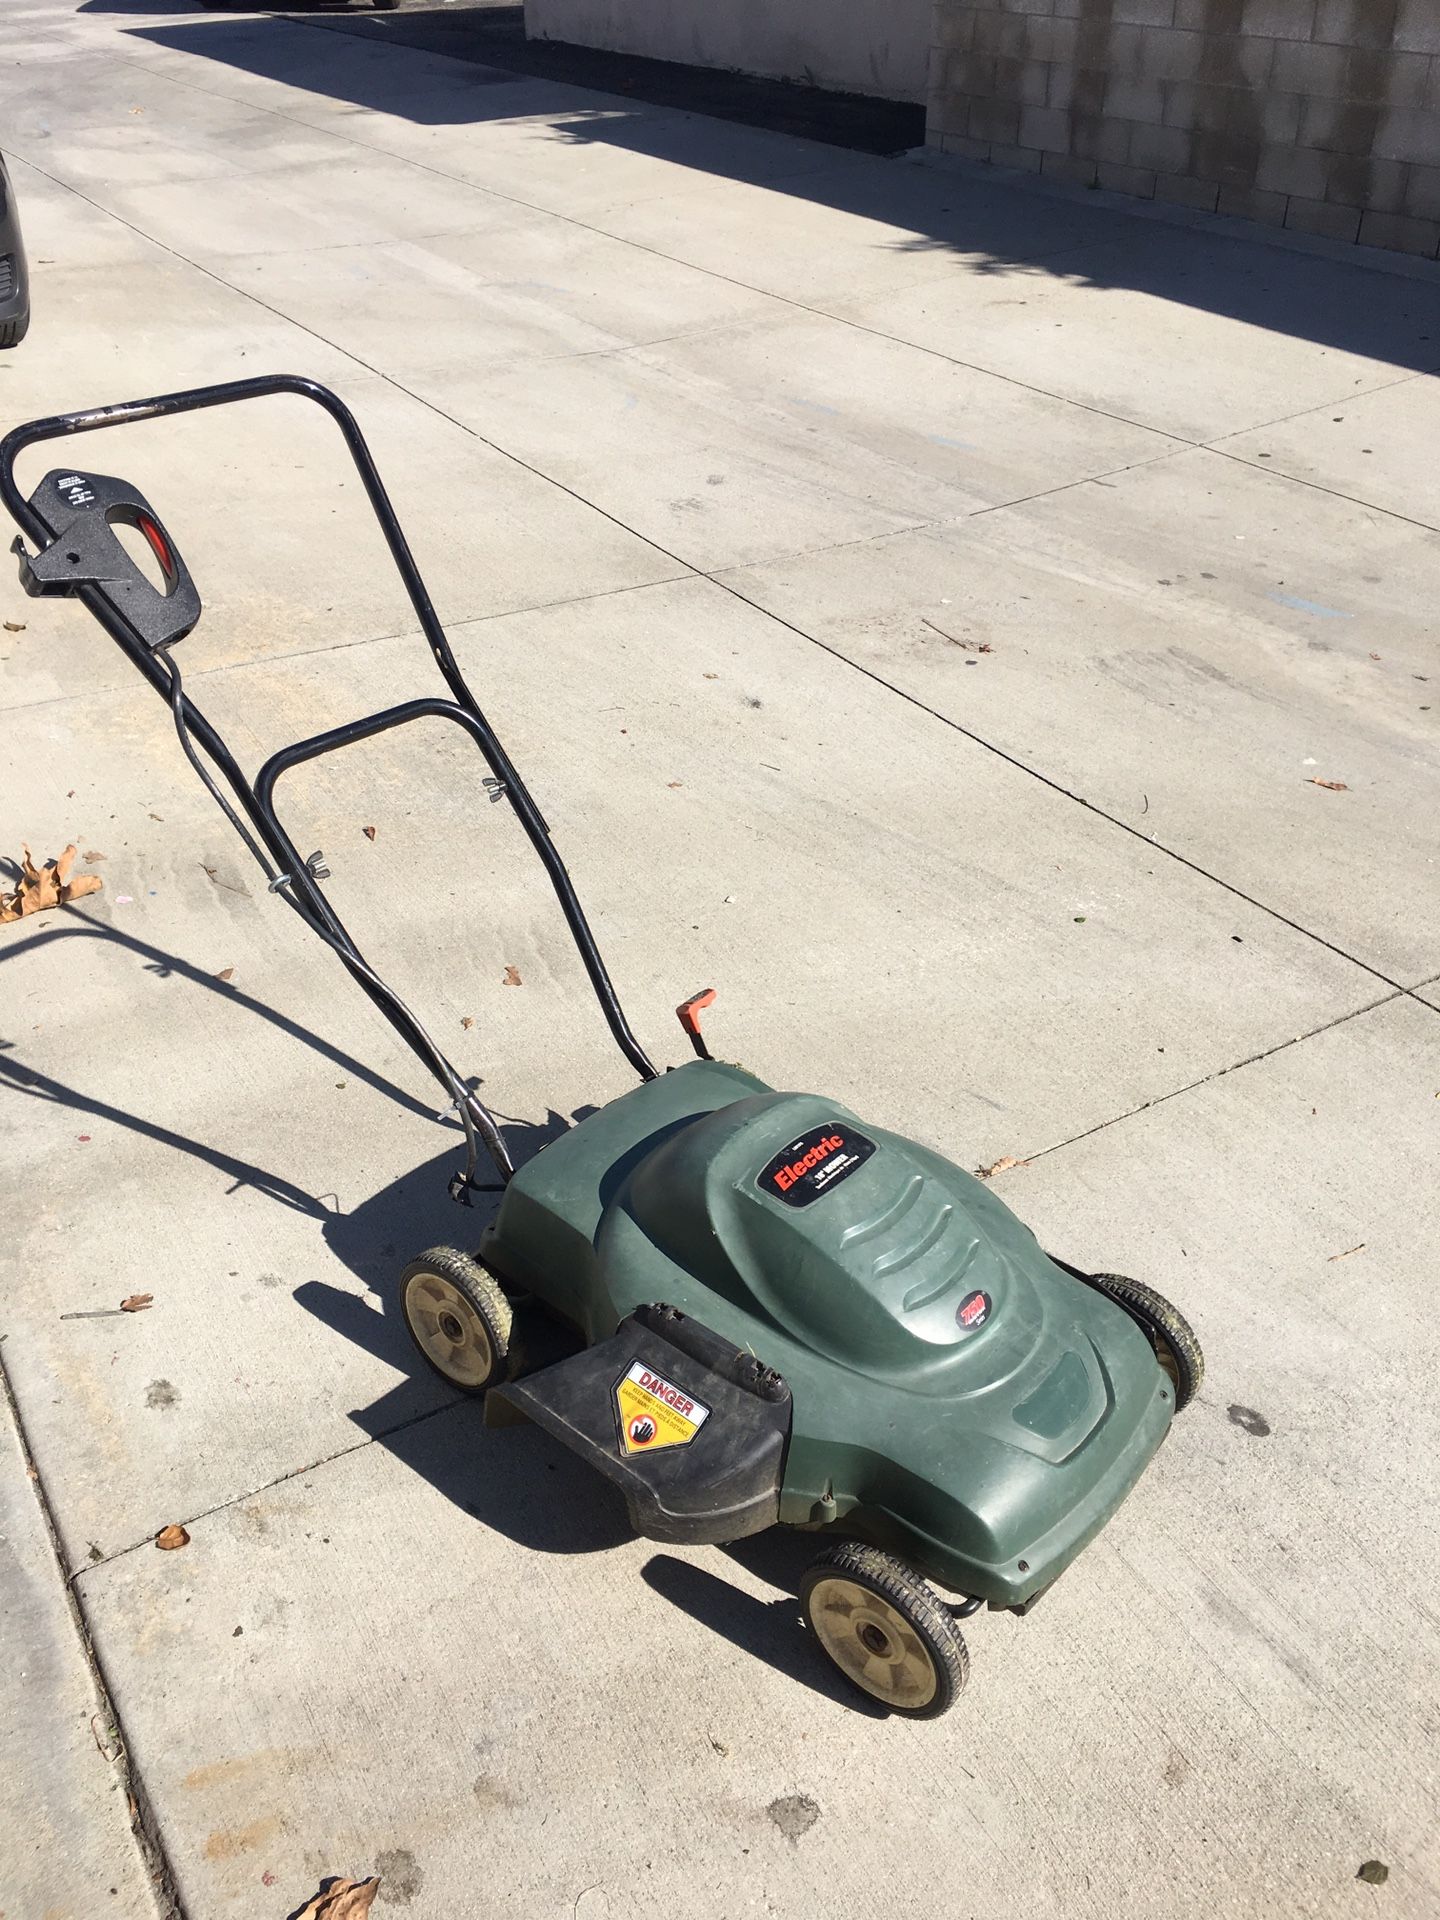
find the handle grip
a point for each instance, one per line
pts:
(80, 512)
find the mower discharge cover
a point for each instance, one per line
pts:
(957, 1397)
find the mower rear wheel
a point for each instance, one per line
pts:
(458, 1318)
(1171, 1334)
(886, 1629)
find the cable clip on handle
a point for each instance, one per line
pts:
(81, 511)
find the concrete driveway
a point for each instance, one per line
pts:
(987, 633)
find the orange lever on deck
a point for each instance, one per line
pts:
(688, 1014)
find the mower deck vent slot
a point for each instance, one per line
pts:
(887, 1216)
(923, 1241)
(7, 275)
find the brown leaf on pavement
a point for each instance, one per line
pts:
(15, 626)
(226, 973)
(467, 1020)
(91, 857)
(1002, 1165)
(369, 832)
(171, 1537)
(136, 1302)
(47, 886)
(341, 1900)
(512, 978)
(1331, 786)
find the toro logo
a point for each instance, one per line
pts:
(810, 1166)
(973, 1311)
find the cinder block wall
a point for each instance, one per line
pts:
(1322, 115)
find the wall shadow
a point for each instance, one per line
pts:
(992, 226)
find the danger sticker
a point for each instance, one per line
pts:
(655, 1413)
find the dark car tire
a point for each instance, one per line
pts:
(459, 1319)
(1171, 1334)
(886, 1629)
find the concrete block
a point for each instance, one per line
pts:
(994, 120)
(1093, 137)
(1210, 16)
(1026, 6)
(1422, 193)
(1401, 232)
(1143, 13)
(1196, 107)
(1168, 54)
(1337, 126)
(1290, 170)
(951, 111)
(1131, 99)
(1107, 48)
(1322, 217)
(1024, 81)
(1007, 34)
(1182, 191)
(1301, 67)
(1417, 27)
(1053, 39)
(1137, 180)
(1046, 129)
(1364, 182)
(1278, 19)
(1061, 91)
(1024, 157)
(1163, 149)
(954, 27)
(964, 146)
(1236, 60)
(1068, 166)
(1396, 79)
(966, 72)
(1247, 204)
(1224, 158)
(1279, 117)
(1409, 133)
(1356, 23)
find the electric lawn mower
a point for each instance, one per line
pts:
(788, 1316)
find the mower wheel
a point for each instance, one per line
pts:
(1171, 1334)
(886, 1629)
(458, 1318)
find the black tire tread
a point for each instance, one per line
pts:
(1158, 1316)
(915, 1599)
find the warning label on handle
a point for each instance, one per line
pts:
(654, 1412)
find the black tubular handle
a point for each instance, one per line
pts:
(256, 801)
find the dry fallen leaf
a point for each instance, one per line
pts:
(674, 783)
(226, 973)
(15, 626)
(369, 832)
(512, 978)
(158, 816)
(1347, 1253)
(341, 1900)
(467, 1020)
(1331, 786)
(171, 1537)
(136, 1302)
(1002, 1165)
(91, 857)
(47, 886)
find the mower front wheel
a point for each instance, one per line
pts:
(1170, 1333)
(886, 1629)
(458, 1317)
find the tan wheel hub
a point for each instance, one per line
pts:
(449, 1329)
(873, 1643)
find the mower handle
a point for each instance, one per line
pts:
(129, 617)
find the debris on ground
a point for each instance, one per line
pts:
(341, 1900)
(225, 973)
(136, 1302)
(1330, 786)
(171, 1537)
(1373, 1872)
(467, 1020)
(1002, 1165)
(14, 626)
(1348, 1251)
(47, 886)
(512, 978)
(369, 832)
